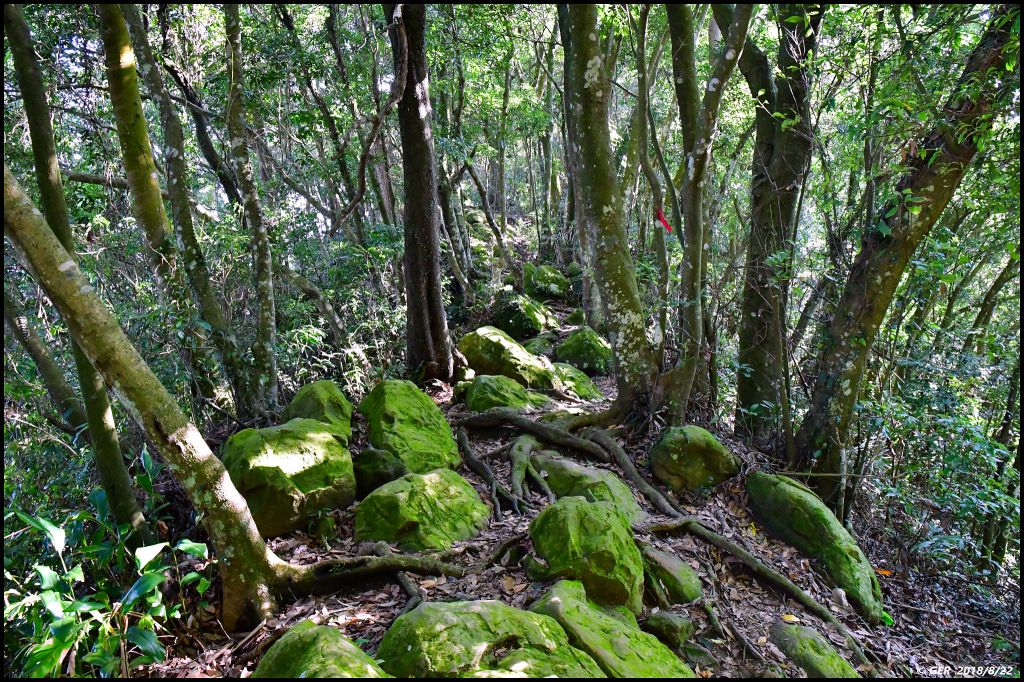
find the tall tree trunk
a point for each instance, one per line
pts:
(114, 476)
(782, 154)
(976, 336)
(264, 384)
(428, 345)
(932, 177)
(178, 183)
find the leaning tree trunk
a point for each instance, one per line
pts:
(932, 177)
(976, 336)
(114, 477)
(178, 178)
(429, 350)
(264, 382)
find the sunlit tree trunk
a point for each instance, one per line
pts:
(264, 383)
(428, 345)
(103, 436)
(931, 179)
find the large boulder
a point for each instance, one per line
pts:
(577, 382)
(520, 316)
(290, 472)
(567, 479)
(543, 281)
(374, 468)
(542, 344)
(489, 350)
(405, 421)
(585, 349)
(323, 401)
(422, 511)
(315, 651)
(576, 317)
(591, 542)
(792, 512)
(809, 650)
(673, 629)
(487, 391)
(690, 458)
(677, 579)
(611, 638)
(480, 639)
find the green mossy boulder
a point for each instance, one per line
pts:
(374, 468)
(618, 646)
(323, 401)
(584, 349)
(577, 383)
(520, 316)
(542, 344)
(487, 391)
(591, 542)
(489, 350)
(673, 629)
(480, 639)
(406, 422)
(567, 479)
(793, 513)
(677, 579)
(543, 281)
(315, 651)
(422, 511)
(576, 317)
(290, 472)
(809, 650)
(690, 458)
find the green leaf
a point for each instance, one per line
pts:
(145, 583)
(52, 601)
(144, 555)
(883, 228)
(53, 533)
(887, 619)
(196, 549)
(48, 578)
(147, 641)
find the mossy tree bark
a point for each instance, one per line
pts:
(264, 383)
(782, 153)
(178, 177)
(146, 197)
(428, 345)
(698, 116)
(930, 179)
(103, 436)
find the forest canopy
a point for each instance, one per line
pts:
(512, 340)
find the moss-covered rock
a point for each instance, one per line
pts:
(809, 650)
(543, 281)
(584, 349)
(487, 391)
(591, 542)
(422, 511)
(315, 651)
(290, 472)
(405, 421)
(491, 351)
(480, 639)
(567, 479)
(690, 458)
(542, 344)
(673, 629)
(677, 579)
(323, 401)
(374, 468)
(577, 383)
(620, 648)
(792, 512)
(576, 317)
(520, 316)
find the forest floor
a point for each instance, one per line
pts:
(941, 619)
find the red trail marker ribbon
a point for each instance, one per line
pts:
(661, 217)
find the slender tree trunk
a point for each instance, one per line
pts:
(428, 345)
(264, 384)
(114, 476)
(976, 336)
(933, 176)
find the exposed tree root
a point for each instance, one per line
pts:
(762, 571)
(413, 591)
(619, 456)
(503, 416)
(519, 456)
(325, 577)
(503, 549)
(481, 469)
